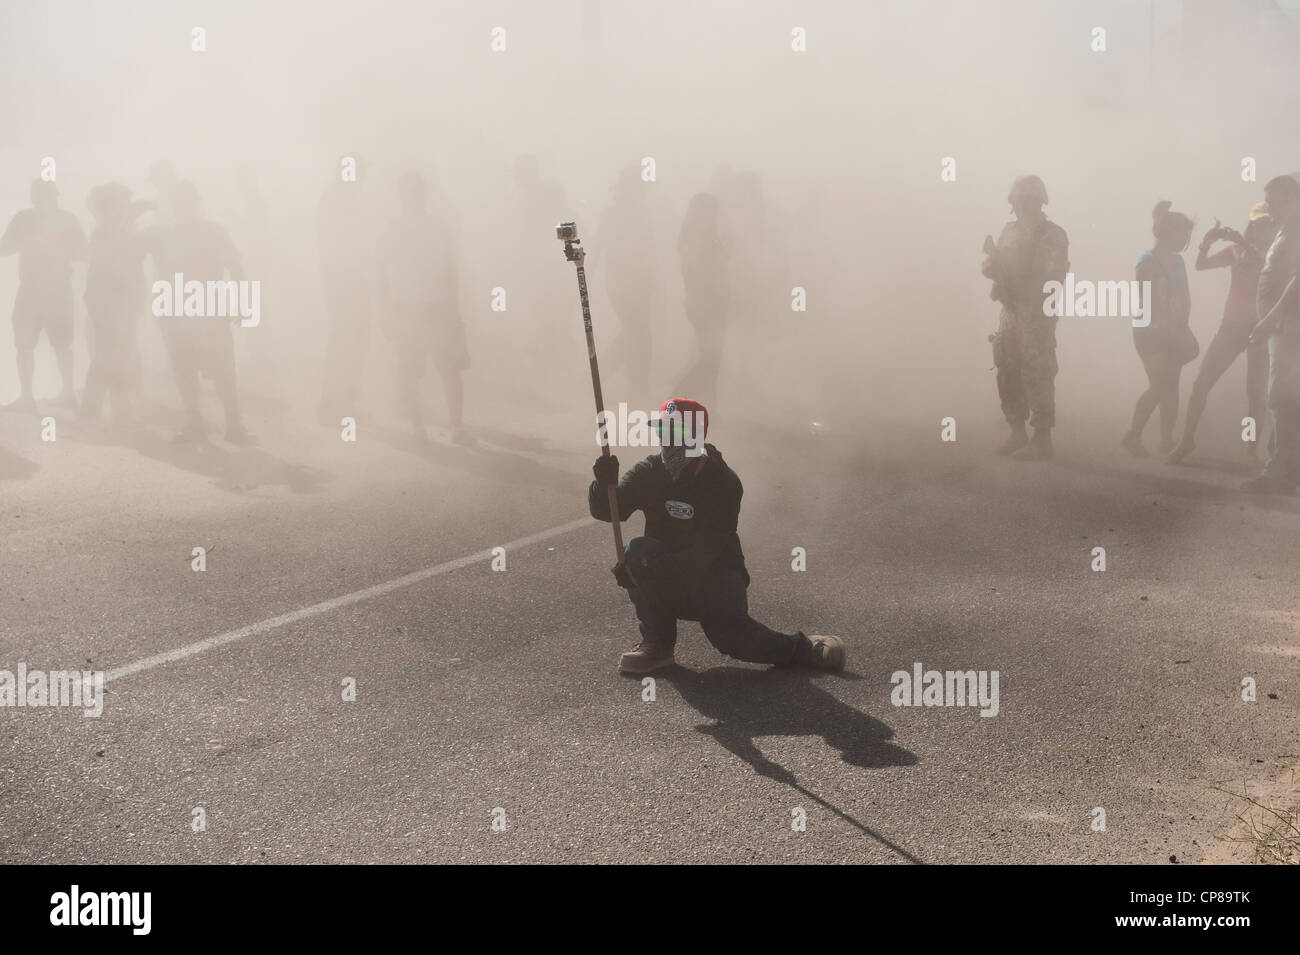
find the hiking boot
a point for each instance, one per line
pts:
(1017, 440)
(1039, 447)
(646, 658)
(828, 653)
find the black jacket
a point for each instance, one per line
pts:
(696, 517)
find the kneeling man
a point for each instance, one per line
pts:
(689, 565)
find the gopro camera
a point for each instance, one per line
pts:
(567, 232)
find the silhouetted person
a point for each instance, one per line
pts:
(1278, 306)
(420, 298)
(1166, 343)
(705, 249)
(347, 254)
(47, 240)
(626, 244)
(1031, 251)
(199, 250)
(1245, 256)
(115, 296)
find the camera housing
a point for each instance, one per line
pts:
(567, 231)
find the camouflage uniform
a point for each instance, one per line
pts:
(1024, 347)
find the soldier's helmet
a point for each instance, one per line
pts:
(1028, 187)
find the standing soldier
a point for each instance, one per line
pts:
(1030, 252)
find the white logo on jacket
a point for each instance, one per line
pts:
(679, 509)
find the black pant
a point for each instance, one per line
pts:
(718, 601)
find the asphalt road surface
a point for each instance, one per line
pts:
(485, 696)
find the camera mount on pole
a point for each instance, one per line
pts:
(567, 232)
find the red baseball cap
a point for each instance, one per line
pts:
(680, 408)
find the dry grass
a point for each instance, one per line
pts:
(1273, 831)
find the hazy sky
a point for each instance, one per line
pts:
(847, 136)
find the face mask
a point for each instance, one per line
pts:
(676, 460)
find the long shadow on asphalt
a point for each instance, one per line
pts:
(745, 704)
(528, 444)
(1187, 487)
(504, 465)
(239, 469)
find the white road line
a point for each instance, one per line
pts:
(378, 590)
